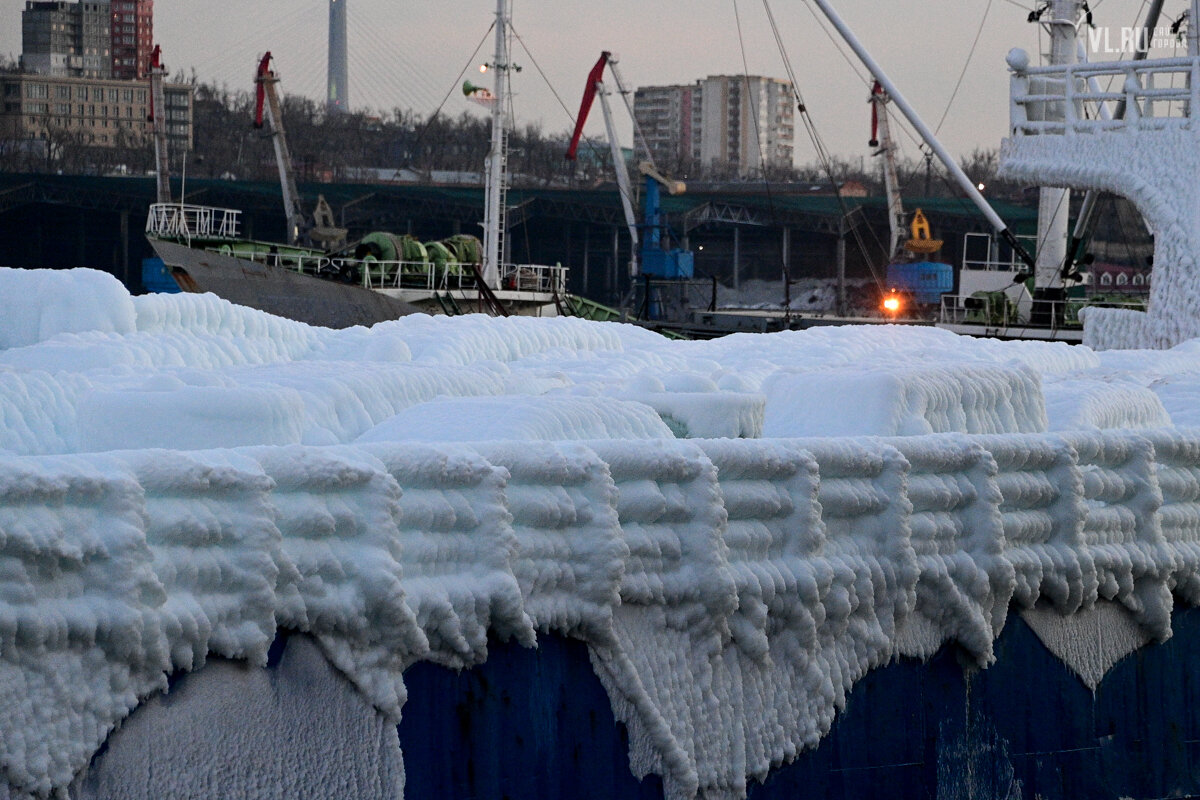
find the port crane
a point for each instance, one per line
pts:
(653, 258)
(158, 119)
(319, 229)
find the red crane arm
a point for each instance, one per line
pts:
(260, 95)
(589, 96)
(155, 63)
(877, 89)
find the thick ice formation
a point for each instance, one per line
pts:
(732, 591)
(904, 401)
(192, 483)
(37, 305)
(1143, 164)
(1093, 404)
(482, 419)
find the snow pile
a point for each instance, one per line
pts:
(904, 401)
(807, 294)
(38, 411)
(549, 418)
(1173, 375)
(1082, 404)
(697, 407)
(475, 338)
(37, 305)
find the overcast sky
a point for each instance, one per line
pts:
(410, 54)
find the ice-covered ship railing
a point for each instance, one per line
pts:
(187, 222)
(1001, 313)
(1157, 94)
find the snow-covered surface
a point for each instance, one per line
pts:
(900, 400)
(180, 479)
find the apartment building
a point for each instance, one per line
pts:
(103, 113)
(744, 122)
(88, 39)
(67, 39)
(132, 38)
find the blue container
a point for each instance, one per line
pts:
(157, 278)
(926, 281)
(670, 264)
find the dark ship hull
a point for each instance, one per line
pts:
(278, 291)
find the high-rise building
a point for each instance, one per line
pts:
(669, 119)
(67, 39)
(744, 122)
(132, 38)
(89, 111)
(338, 97)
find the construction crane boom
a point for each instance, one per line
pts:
(268, 106)
(158, 118)
(651, 258)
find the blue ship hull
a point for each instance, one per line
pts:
(537, 724)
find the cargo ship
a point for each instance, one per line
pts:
(320, 278)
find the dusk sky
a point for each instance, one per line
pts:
(409, 55)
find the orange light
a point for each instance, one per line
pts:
(891, 304)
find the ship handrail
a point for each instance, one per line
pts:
(173, 220)
(187, 222)
(370, 273)
(427, 275)
(541, 278)
(1158, 94)
(993, 261)
(1056, 314)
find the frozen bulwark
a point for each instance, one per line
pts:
(731, 591)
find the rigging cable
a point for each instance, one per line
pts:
(434, 115)
(590, 141)
(818, 145)
(963, 74)
(787, 279)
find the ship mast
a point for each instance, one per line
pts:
(1054, 204)
(497, 161)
